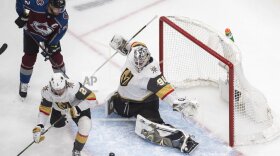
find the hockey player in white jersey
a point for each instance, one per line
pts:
(141, 86)
(62, 96)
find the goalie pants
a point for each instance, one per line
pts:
(80, 138)
(29, 58)
(149, 109)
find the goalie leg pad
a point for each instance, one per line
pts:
(164, 135)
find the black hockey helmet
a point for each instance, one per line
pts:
(58, 3)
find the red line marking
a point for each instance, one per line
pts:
(121, 18)
(92, 48)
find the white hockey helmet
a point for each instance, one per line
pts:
(141, 55)
(58, 83)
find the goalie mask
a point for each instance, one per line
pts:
(141, 55)
(58, 84)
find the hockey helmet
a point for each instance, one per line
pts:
(58, 83)
(58, 4)
(141, 55)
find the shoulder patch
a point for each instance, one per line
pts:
(126, 77)
(27, 2)
(154, 69)
(46, 88)
(65, 27)
(70, 85)
(65, 15)
(39, 2)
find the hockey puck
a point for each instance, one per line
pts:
(111, 154)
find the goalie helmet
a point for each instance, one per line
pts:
(58, 84)
(141, 55)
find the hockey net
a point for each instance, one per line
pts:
(193, 55)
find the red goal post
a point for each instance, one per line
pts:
(194, 54)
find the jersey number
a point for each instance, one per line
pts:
(161, 81)
(83, 91)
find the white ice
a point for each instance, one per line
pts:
(255, 25)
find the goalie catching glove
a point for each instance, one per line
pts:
(186, 107)
(38, 133)
(120, 44)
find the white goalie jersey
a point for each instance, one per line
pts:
(139, 86)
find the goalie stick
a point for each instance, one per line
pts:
(94, 77)
(42, 133)
(3, 48)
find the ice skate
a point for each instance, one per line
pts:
(23, 87)
(76, 153)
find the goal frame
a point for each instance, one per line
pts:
(163, 20)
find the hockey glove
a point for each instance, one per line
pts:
(22, 20)
(75, 111)
(37, 133)
(120, 44)
(50, 50)
(186, 107)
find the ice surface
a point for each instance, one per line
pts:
(254, 24)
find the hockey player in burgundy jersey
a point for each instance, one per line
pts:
(45, 21)
(141, 86)
(62, 96)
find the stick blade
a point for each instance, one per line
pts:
(3, 48)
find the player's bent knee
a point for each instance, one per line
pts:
(84, 125)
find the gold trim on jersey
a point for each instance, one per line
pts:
(45, 110)
(91, 96)
(126, 77)
(163, 92)
(81, 138)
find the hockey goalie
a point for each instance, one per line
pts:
(141, 86)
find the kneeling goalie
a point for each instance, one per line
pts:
(141, 86)
(62, 96)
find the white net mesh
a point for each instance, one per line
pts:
(185, 65)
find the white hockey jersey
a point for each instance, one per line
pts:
(136, 86)
(75, 94)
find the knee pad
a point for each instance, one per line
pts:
(57, 60)
(28, 60)
(84, 125)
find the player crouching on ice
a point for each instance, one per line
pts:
(141, 86)
(62, 96)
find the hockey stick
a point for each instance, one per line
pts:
(3, 48)
(42, 134)
(44, 50)
(94, 77)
